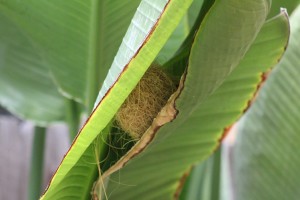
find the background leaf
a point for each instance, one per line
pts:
(266, 159)
(290, 5)
(76, 40)
(180, 33)
(26, 87)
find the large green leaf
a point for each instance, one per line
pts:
(266, 159)
(151, 26)
(26, 87)
(195, 133)
(77, 39)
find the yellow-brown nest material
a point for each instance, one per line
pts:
(145, 101)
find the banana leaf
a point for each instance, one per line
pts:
(77, 40)
(26, 86)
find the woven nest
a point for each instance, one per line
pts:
(145, 101)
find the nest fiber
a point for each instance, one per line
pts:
(145, 101)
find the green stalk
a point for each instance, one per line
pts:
(37, 160)
(93, 84)
(73, 117)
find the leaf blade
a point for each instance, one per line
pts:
(68, 38)
(24, 78)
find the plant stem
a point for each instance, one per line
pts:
(37, 160)
(73, 117)
(93, 84)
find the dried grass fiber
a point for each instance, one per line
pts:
(145, 101)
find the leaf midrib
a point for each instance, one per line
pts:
(94, 49)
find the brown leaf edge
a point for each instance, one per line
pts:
(226, 130)
(181, 183)
(263, 78)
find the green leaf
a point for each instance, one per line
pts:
(151, 26)
(26, 87)
(290, 5)
(77, 183)
(194, 11)
(266, 159)
(108, 24)
(195, 133)
(180, 33)
(203, 182)
(174, 42)
(77, 40)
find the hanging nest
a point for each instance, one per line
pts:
(143, 104)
